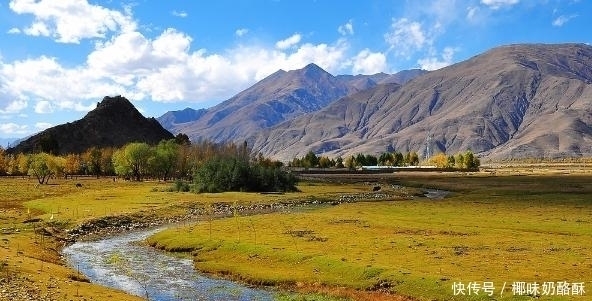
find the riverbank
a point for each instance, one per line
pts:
(38, 220)
(494, 229)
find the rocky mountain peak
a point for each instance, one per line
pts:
(114, 122)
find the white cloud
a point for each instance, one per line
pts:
(13, 130)
(43, 107)
(162, 69)
(497, 4)
(367, 62)
(14, 30)
(180, 14)
(472, 12)
(37, 29)
(346, 29)
(44, 78)
(241, 32)
(434, 62)
(69, 21)
(406, 37)
(11, 106)
(289, 42)
(561, 20)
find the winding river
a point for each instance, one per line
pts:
(122, 263)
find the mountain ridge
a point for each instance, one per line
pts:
(280, 96)
(495, 104)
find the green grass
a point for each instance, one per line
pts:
(500, 229)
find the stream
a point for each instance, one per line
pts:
(122, 263)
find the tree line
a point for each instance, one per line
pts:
(466, 160)
(210, 167)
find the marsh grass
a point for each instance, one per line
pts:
(500, 229)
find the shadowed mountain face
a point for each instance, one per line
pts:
(279, 97)
(511, 102)
(173, 118)
(113, 123)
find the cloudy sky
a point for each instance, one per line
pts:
(59, 58)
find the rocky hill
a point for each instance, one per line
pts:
(511, 102)
(113, 123)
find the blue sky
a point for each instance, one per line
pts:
(59, 58)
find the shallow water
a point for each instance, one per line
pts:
(121, 263)
(437, 194)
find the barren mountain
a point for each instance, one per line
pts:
(113, 123)
(512, 101)
(279, 97)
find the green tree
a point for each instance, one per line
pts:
(164, 158)
(339, 162)
(39, 166)
(371, 160)
(451, 161)
(22, 162)
(182, 139)
(413, 158)
(470, 161)
(360, 160)
(132, 160)
(460, 161)
(325, 162)
(386, 159)
(398, 159)
(92, 160)
(311, 160)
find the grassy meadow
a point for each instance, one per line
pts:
(390, 245)
(500, 229)
(30, 262)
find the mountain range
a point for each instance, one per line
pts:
(515, 101)
(281, 96)
(113, 123)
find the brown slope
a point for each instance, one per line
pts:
(113, 123)
(281, 96)
(512, 101)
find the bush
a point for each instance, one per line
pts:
(235, 173)
(181, 186)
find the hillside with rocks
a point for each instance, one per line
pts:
(113, 123)
(516, 101)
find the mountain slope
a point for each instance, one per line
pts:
(512, 101)
(173, 118)
(113, 123)
(281, 96)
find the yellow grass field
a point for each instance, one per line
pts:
(391, 244)
(500, 230)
